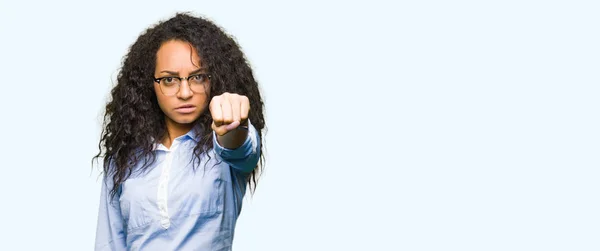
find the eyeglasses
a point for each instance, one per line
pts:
(169, 86)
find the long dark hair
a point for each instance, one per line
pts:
(133, 119)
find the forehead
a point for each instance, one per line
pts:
(176, 55)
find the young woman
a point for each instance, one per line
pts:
(181, 139)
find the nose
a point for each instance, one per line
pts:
(184, 90)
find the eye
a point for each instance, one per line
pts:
(169, 81)
(198, 78)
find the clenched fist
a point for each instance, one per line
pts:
(228, 110)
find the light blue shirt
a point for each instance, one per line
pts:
(171, 206)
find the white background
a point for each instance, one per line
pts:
(437, 125)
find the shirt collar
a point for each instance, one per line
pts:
(194, 134)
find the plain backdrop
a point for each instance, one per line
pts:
(400, 125)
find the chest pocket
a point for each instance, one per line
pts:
(201, 194)
(134, 201)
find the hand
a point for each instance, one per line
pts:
(228, 110)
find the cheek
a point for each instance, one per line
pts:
(203, 101)
(206, 97)
(161, 99)
(157, 91)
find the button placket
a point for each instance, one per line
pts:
(163, 186)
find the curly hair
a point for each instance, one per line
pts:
(133, 118)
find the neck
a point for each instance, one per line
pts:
(174, 130)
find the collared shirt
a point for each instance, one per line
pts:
(173, 206)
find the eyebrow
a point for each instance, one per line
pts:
(177, 73)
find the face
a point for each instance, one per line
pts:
(180, 59)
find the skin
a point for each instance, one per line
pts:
(228, 110)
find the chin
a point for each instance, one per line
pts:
(185, 119)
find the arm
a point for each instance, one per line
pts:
(235, 139)
(244, 157)
(110, 233)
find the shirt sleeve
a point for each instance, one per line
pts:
(245, 157)
(110, 233)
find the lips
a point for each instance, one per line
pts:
(185, 106)
(186, 109)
